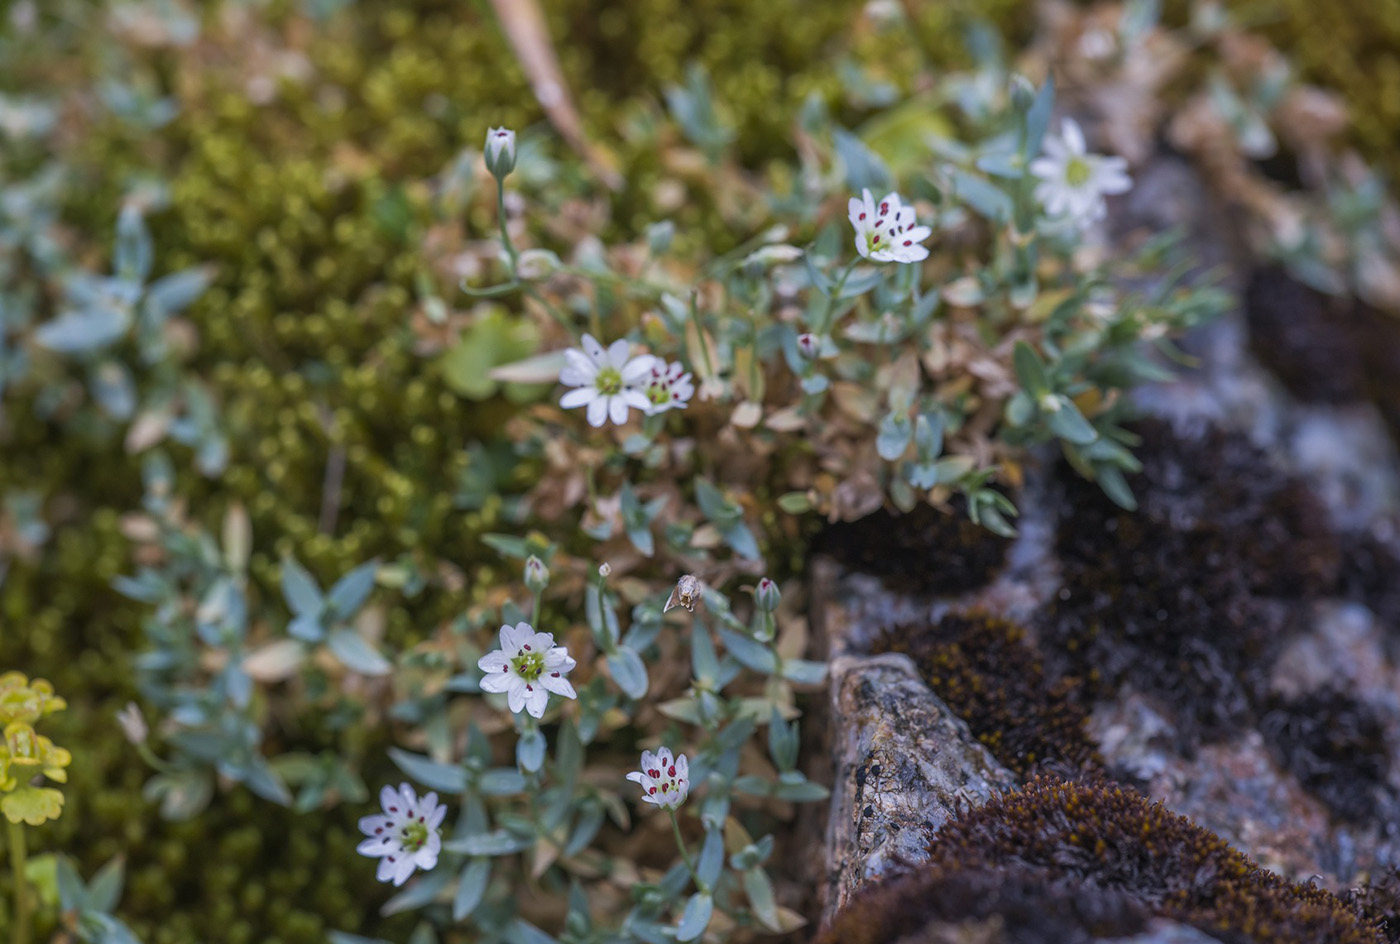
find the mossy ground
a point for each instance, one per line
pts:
(1095, 857)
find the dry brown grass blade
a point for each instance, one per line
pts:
(523, 23)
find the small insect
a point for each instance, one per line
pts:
(686, 594)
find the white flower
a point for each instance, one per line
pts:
(133, 723)
(527, 667)
(665, 780)
(887, 231)
(405, 836)
(607, 380)
(1074, 182)
(500, 151)
(667, 387)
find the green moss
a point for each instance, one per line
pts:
(1104, 842)
(990, 675)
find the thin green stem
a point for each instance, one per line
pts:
(23, 921)
(685, 853)
(505, 234)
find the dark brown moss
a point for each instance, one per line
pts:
(1323, 348)
(1379, 902)
(1169, 599)
(992, 677)
(1371, 575)
(924, 551)
(1104, 840)
(1027, 907)
(1337, 748)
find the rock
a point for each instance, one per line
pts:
(904, 765)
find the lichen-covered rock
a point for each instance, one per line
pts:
(904, 765)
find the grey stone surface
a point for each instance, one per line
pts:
(904, 763)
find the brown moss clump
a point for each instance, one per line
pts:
(1107, 842)
(1337, 748)
(1325, 349)
(1379, 902)
(925, 551)
(1168, 599)
(992, 677)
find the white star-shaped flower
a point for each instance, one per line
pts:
(527, 667)
(405, 836)
(665, 780)
(667, 387)
(887, 231)
(1073, 182)
(608, 382)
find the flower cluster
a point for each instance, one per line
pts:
(609, 382)
(24, 752)
(405, 836)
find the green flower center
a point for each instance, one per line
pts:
(659, 394)
(529, 665)
(1078, 172)
(608, 381)
(414, 835)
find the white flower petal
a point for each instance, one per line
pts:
(385, 872)
(559, 686)
(375, 846)
(594, 350)
(637, 369)
(617, 408)
(403, 868)
(497, 681)
(598, 412)
(617, 353)
(515, 695)
(579, 396)
(558, 659)
(1073, 136)
(536, 698)
(578, 370)
(379, 821)
(493, 661)
(514, 638)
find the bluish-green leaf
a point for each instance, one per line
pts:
(892, 436)
(448, 778)
(302, 594)
(752, 654)
(471, 887)
(1069, 424)
(351, 591)
(356, 654)
(629, 672)
(696, 917)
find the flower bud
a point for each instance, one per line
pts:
(536, 574)
(133, 723)
(809, 346)
(1022, 93)
(604, 569)
(500, 152)
(767, 595)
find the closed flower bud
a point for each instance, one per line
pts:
(604, 569)
(808, 346)
(536, 574)
(133, 724)
(500, 152)
(1022, 93)
(767, 595)
(536, 264)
